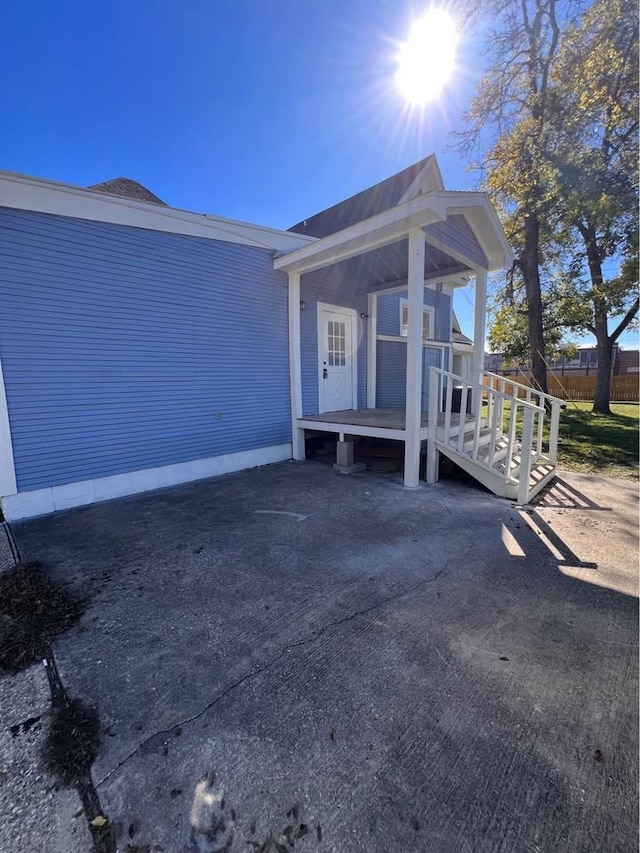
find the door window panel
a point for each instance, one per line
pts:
(336, 343)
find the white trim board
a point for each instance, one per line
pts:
(295, 367)
(7, 468)
(21, 192)
(427, 343)
(53, 498)
(429, 310)
(351, 429)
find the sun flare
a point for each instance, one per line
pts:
(427, 59)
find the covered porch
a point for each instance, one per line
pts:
(343, 287)
(372, 337)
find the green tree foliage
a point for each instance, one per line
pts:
(595, 156)
(514, 105)
(560, 102)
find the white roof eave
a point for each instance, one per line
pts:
(23, 192)
(377, 231)
(394, 224)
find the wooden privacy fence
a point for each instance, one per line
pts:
(624, 389)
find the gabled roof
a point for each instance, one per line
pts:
(417, 179)
(127, 188)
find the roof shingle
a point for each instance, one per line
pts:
(127, 188)
(363, 205)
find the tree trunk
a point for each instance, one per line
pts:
(530, 265)
(602, 396)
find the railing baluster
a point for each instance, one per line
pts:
(526, 456)
(493, 435)
(478, 425)
(447, 410)
(540, 431)
(464, 393)
(490, 400)
(435, 398)
(513, 415)
(554, 428)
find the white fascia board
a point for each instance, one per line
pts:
(351, 429)
(452, 279)
(22, 192)
(377, 231)
(429, 178)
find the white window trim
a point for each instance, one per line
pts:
(429, 310)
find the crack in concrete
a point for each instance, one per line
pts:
(268, 664)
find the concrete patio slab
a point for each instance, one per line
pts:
(291, 657)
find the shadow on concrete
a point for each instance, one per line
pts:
(560, 494)
(417, 669)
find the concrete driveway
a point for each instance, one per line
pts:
(291, 659)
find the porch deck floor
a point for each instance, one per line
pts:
(393, 419)
(385, 418)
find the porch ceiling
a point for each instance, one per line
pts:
(389, 265)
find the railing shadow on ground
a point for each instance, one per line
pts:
(560, 495)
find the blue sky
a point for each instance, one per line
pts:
(261, 110)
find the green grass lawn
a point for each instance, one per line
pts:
(597, 444)
(600, 444)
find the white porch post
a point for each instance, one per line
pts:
(415, 287)
(372, 342)
(479, 320)
(295, 376)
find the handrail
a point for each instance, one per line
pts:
(507, 380)
(500, 452)
(504, 396)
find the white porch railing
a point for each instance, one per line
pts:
(504, 429)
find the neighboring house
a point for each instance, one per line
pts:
(143, 346)
(583, 363)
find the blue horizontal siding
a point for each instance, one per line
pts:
(391, 374)
(119, 347)
(456, 233)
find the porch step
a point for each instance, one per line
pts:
(495, 478)
(479, 443)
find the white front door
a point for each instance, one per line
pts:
(336, 358)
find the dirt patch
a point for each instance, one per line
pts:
(73, 741)
(33, 612)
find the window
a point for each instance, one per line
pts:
(462, 365)
(428, 321)
(336, 349)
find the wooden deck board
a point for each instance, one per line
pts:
(385, 418)
(378, 418)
